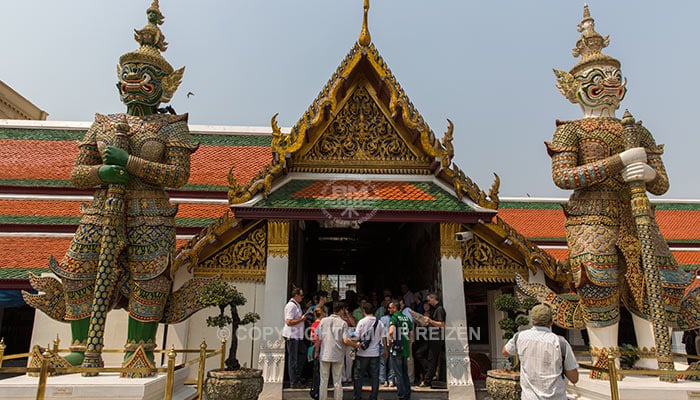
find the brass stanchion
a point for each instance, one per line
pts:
(170, 378)
(612, 372)
(202, 362)
(43, 375)
(223, 351)
(2, 350)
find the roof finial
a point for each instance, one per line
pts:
(365, 38)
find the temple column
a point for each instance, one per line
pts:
(271, 358)
(459, 380)
(496, 341)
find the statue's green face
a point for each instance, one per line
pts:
(601, 86)
(140, 84)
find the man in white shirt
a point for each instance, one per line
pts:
(293, 333)
(545, 358)
(372, 330)
(333, 333)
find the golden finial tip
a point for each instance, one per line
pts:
(365, 38)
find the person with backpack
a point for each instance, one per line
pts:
(546, 359)
(400, 337)
(371, 332)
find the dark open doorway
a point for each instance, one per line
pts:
(381, 255)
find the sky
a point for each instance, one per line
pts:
(485, 65)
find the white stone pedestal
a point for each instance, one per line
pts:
(101, 387)
(633, 388)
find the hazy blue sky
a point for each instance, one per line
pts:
(486, 65)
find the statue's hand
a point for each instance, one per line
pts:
(634, 155)
(638, 171)
(113, 174)
(115, 156)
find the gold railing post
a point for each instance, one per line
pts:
(55, 344)
(170, 378)
(612, 371)
(43, 375)
(202, 362)
(223, 353)
(2, 350)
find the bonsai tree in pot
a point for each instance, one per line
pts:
(504, 384)
(516, 313)
(234, 382)
(224, 295)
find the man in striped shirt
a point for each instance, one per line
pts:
(545, 358)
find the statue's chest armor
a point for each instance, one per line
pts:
(599, 139)
(145, 138)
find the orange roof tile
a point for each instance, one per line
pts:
(55, 208)
(682, 257)
(363, 190)
(37, 159)
(210, 164)
(547, 224)
(35, 251)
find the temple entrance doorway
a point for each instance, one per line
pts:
(366, 258)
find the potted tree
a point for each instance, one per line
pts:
(233, 382)
(504, 384)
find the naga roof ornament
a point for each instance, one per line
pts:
(152, 43)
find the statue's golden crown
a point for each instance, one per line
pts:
(152, 42)
(590, 44)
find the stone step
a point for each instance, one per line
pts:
(385, 393)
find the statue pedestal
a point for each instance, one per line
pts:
(101, 387)
(632, 387)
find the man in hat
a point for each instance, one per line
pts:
(545, 358)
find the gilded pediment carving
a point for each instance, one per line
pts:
(361, 137)
(482, 262)
(242, 259)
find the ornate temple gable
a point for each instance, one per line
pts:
(361, 137)
(515, 247)
(483, 261)
(362, 121)
(230, 247)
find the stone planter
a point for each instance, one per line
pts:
(244, 384)
(503, 385)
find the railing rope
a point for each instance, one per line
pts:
(46, 368)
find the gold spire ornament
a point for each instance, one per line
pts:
(365, 38)
(152, 43)
(590, 44)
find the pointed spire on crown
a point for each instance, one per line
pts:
(152, 42)
(590, 44)
(365, 38)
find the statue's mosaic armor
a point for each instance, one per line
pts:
(604, 252)
(160, 157)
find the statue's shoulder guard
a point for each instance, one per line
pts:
(98, 125)
(179, 132)
(565, 138)
(647, 141)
